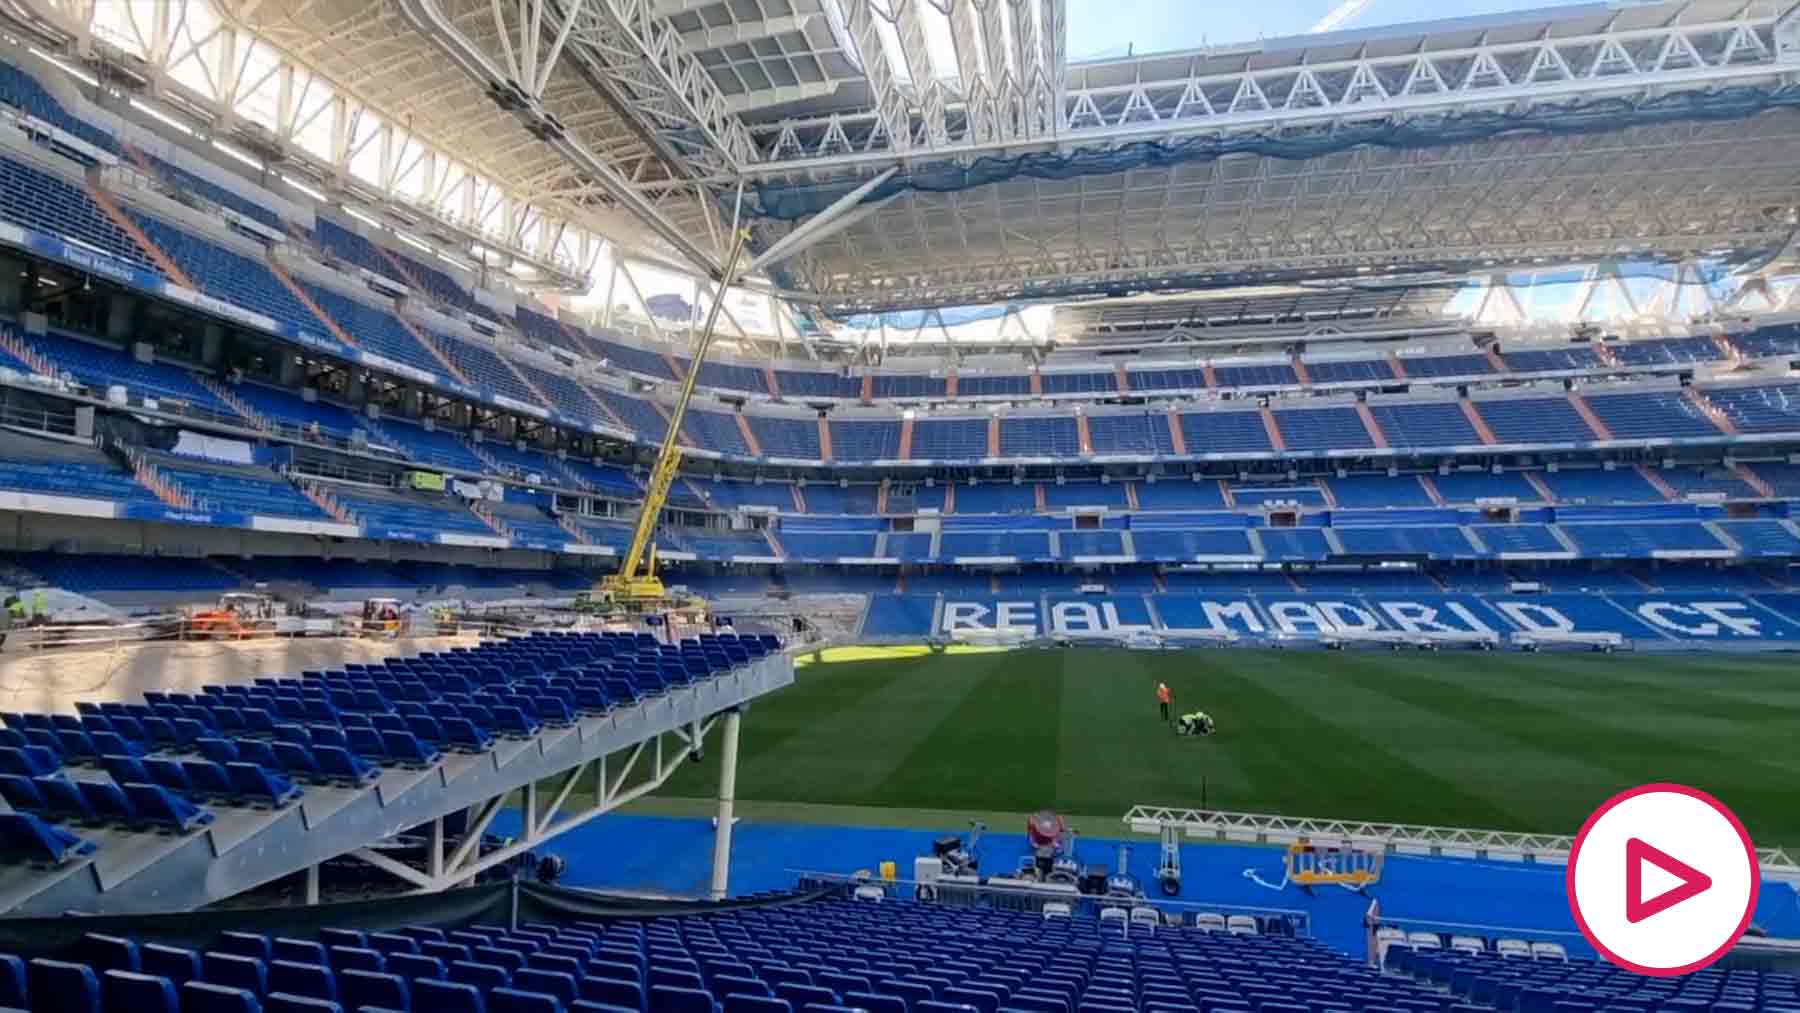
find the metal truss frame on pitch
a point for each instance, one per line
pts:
(245, 848)
(1399, 838)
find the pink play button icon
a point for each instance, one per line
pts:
(1622, 887)
(1692, 883)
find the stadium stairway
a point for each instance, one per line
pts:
(164, 263)
(119, 868)
(237, 404)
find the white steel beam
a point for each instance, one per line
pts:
(1473, 77)
(701, 39)
(431, 22)
(815, 228)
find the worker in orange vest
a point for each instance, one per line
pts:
(1163, 699)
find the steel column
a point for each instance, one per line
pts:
(728, 755)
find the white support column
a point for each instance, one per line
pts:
(435, 868)
(728, 750)
(312, 885)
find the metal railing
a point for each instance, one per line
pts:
(962, 893)
(1403, 838)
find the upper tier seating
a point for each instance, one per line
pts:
(1305, 429)
(1039, 436)
(292, 410)
(1534, 420)
(1059, 495)
(352, 248)
(860, 440)
(908, 385)
(949, 439)
(1005, 385)
(1651, 415)
(787, 437)
(831, 498)
(727, 495)
(1470, 486)
(483, 366)
(1778, 340)
(1078, 383)
(537, 326)
(1293, 544)
(997, 498)
(431, 447)
(566, 394)
(64, 469)
(1138, 433)
(805, 383)
(1547, 360)
(715, 543)
(21, 91)
(1174, 378)
(1033, 545)
(715, 431)
(728, 376)
(640, 415)
(1076, 544)
(1349, 371)
(98, 367)
(1667, 352)
(1225, 431)
(516, 463)
(1185, 545)
(1636, 540)
(528, 522)
(1378, 491)
(1445, 365)
(50, 204)
(1706, 481)
(1180, 494)
(186, 182)
(1598, 485)
(622, 355)
(1426, 424)
(1438, 542)
(1275, 374)
(1761, 409)
(225, 274)
(1504, 539)
(377, 331)
(236, 489)
(422, 516)
(808, 543)
(607, 479)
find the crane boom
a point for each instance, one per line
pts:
(628, 585)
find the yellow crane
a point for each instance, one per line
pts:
(628, 586)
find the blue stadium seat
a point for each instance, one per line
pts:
(140, 993)
(447, 997)
(206, 997)
(60, 986)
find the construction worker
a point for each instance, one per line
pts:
(40, 606)
(1163, 699)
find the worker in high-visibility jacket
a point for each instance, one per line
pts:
(40, 606)
(1163, 699)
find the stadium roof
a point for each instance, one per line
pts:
(896, 154)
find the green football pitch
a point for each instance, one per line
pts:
(1502, 741)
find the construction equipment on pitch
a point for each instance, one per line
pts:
(1344, 865)
(629, 588)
